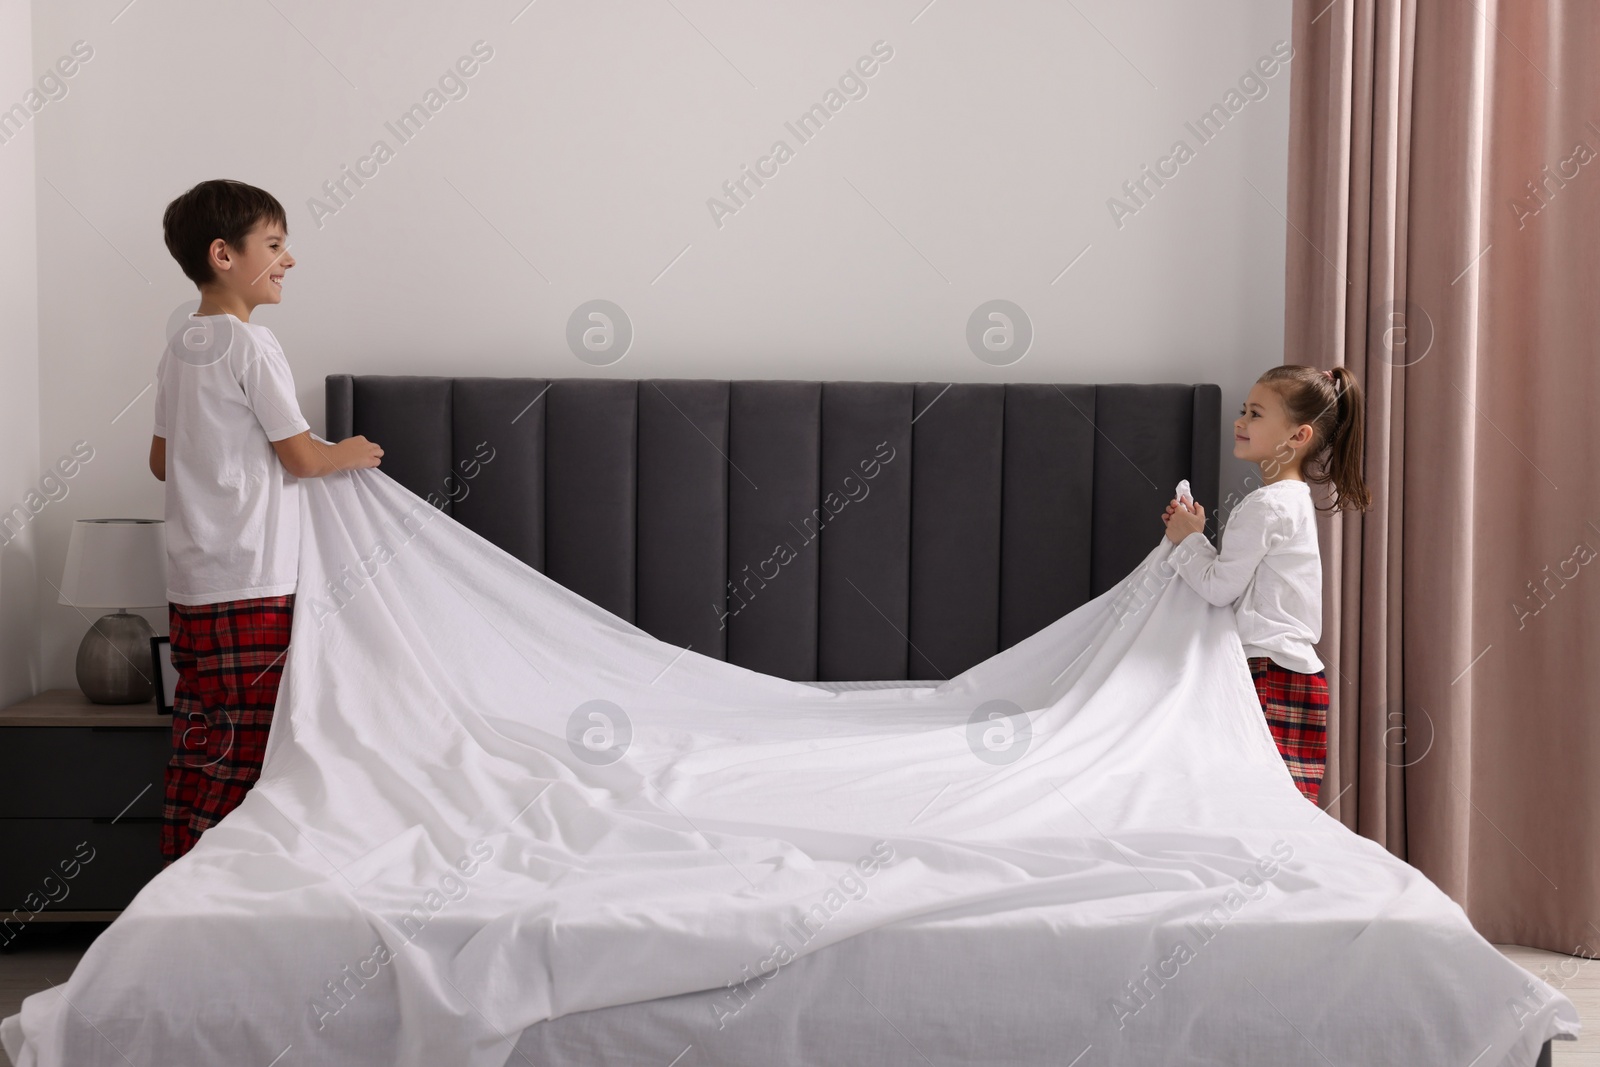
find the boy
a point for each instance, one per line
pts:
(225, 400)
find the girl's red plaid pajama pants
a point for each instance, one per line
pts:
(1296, 707)
(228, 657)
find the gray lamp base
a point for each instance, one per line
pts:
(114, 660)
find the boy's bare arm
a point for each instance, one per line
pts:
(305, 458)
(158, 457)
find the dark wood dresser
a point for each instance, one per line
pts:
(81, 789)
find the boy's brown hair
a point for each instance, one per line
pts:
(212, 209)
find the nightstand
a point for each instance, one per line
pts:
(81, 790)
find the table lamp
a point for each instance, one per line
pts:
(122, 564)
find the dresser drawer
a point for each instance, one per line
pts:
(74, 864)
(85, 772)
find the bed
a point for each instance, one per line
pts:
(875, 800)
(1004, 507)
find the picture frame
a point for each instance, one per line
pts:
(166, 678)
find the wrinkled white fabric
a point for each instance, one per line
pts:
(434, 857)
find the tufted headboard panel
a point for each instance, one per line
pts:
(818, 531)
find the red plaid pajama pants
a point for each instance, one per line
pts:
(1296, 707)
(228, 658)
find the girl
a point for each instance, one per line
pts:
(1300, 425)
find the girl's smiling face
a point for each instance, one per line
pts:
(1262, 432)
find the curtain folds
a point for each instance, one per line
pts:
(1444, 244)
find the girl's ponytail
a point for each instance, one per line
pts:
(1346, 446)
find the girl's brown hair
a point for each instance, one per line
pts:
(1335, 408)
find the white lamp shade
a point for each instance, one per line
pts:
(116, 563)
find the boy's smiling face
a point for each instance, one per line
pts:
(251, 275)
(1262, 432)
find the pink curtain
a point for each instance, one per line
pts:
(1444, 244)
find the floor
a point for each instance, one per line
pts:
(1579, 978)
(54, 949)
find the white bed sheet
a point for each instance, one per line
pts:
(437, 857)
(1034, 987)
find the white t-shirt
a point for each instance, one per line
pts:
(1269, 569)
(224, 392)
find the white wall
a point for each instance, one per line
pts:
(579, 164)
(20, 671)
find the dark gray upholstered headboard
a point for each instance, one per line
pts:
(956, 520)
